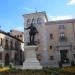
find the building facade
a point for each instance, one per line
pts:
(56, 39)
(10, 49)
(17, 34)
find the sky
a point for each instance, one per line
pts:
(11, 11)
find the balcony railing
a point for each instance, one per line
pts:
(63, 39)
(6, 47)
(58, 44)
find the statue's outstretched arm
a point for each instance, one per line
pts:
(27, 28)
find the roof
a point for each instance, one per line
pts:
(43, 12)
(8, 34)
(60, 21)
(13, 30)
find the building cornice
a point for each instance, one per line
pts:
(8, 34)
(60, 22)
(43, 12)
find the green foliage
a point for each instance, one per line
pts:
(48, 71)
(72, 63)
(60, 64)
(0, 65)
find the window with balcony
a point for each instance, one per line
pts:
(28, 21)
(62, 34)
(62, 37)
(34, 21)
(39, 21)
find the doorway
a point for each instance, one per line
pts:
(63, 56)
(7, 59)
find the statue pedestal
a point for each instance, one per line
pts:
(31, 61)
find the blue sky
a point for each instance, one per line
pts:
(11, 11)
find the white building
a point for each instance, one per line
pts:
(56, 39)
(10, 49)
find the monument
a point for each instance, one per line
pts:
(31, 61)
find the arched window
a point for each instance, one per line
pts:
(11, 45)
(28, 21)
(62, 36)
(1, 41)
(34, 21)
(39, 21)
(6, 44)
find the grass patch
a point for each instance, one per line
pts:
(47, 71)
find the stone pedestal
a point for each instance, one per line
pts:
(31, 61)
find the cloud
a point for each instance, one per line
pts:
(28, 9)
(60, 17)
(71, 2)
(19, 28)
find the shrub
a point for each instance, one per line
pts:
(72, 63)
(60, 64)
(68, 70)
(0, 65)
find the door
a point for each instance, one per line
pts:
(63, 56)
(7, 59)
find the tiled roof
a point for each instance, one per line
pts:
(60, 21)
(8, 34)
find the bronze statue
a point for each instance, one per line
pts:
(33, 31)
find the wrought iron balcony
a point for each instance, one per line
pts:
(64, 43)
(63, 39)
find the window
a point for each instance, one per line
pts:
(51, 36)
(74, 47)
(39, 21)
(50, 47)
(74, 56)
(6, 44)
(0, 56)
(28, 21)
(11, 45)
(17, 35)
(51, 57)
(34, 21)
(20, 35)
(61, 27)
(16, 45)
(62, 36)
(1, 41)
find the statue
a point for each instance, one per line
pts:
(33, 31)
